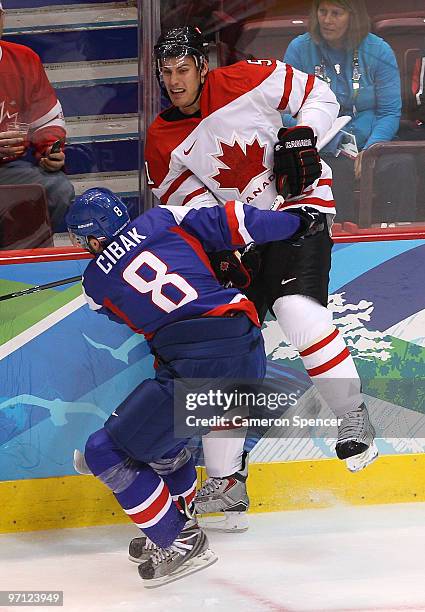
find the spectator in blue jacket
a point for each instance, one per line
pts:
(362, 71)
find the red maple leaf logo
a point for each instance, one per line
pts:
(241, 167)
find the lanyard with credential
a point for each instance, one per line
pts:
(321, 73)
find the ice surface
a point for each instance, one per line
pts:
(340, 559)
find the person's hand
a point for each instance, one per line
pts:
(12, 144)
(311, 222)
(229, 270)
(52, 162)
(358, 165)
(296, 160)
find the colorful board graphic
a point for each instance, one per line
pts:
(63, 369)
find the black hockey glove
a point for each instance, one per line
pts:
(296, 160)
(251, 260)
(229, 269)
(311, 222)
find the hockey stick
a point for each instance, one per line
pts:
(65, 281)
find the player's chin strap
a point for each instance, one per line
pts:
(196, 98)
(200, 86)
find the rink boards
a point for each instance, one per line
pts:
(63, 370)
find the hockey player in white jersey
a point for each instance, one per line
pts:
(222, 138)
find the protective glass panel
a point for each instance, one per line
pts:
(68, 113)
(378, 155)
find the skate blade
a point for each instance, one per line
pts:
(202, 561)
(359, 462)
(137, 560)
(229, 522)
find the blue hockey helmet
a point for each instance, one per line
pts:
(97, 212)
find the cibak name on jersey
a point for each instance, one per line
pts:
(115, 251)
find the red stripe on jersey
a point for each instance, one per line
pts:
(244, 305)
(308, 87)
(108, 304)
(193, 195)
(318, 345)
(324, 182)
(328, 365)
(320, 183)
(161, 139)
(155, 508)
(175, 185)
(317, 201)
(228, 83)
(233, 223)
(195, 245)
(287, 88)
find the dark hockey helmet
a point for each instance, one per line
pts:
(97, 212)
(179, 42)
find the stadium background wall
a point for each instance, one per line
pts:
(63, 370)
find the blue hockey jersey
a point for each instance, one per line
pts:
(157, 272)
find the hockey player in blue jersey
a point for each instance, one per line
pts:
(153, 274)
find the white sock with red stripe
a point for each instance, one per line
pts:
(308, 326)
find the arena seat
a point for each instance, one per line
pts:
(24, 217)
(406, 35)
(370, 157)
(409, 101)
(268, 38)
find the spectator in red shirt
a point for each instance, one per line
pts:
(31, 118)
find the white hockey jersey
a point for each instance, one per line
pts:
(27, 96)
(227, 153)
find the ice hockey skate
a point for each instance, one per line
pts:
(355, 442)
(227, 496)
(140, 549)
(189, 553)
